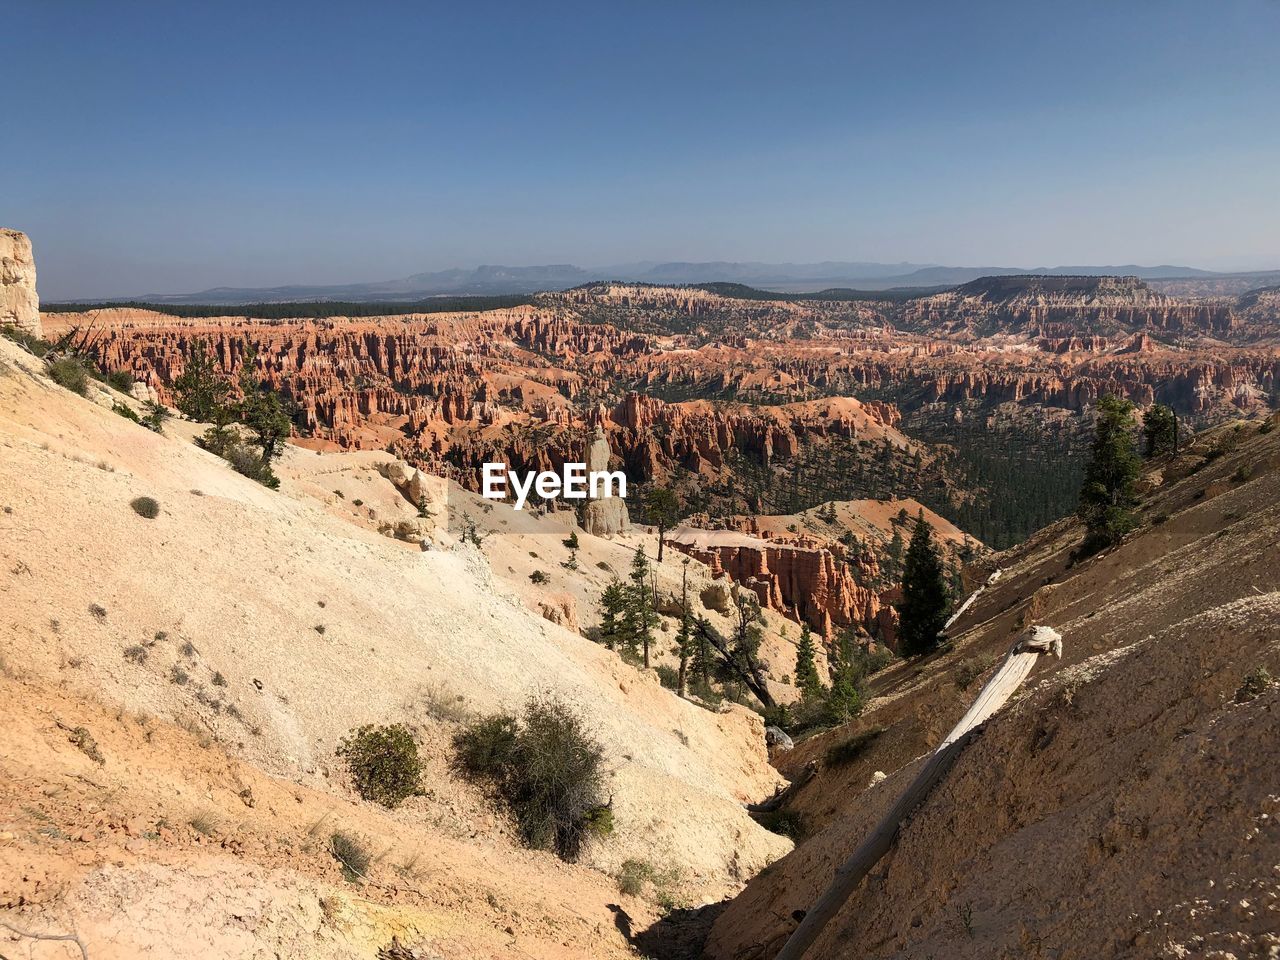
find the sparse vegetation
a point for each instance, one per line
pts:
(148, 507)
(125, 411)
(539, 577)
(969, 670)
(547, 768)
(352, 854)
(204, 823)
(636, 876)
(83, 741)
(136, 654)
(178, 676)
(384, 763)
(98, 610)
(1254, 685)
(71, 373)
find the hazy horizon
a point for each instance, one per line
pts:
(168, 150)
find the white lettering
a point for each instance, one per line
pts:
(548, 485)
(575, 481)
(522, 490)
(608, 480)
(497, 479)
(495, 474)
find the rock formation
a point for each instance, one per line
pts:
(800, 577)
(19, 304)
(604, 516)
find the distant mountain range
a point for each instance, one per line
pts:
(782, 277)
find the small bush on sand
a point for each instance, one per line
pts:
(121, 380)
(70, 373)
(1254, 686)
(136, 654)
(351, 854)
(384, 763)
(125, 411)
(538, 576)
(147, 507)
(83, 740)
(548, 770)
(637, 875)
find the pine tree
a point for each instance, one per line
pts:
(807, 680)
(261, 409)
(895, 554)
(663, 511)
(684, 636)
(922, 612)
(612, 604)
(638, 618)
(201, 390)
(1107, 497)
(846, 697)
(1160, 427)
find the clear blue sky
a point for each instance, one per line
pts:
(167, 147)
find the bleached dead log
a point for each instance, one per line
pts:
(972, 597)
(1022, 656)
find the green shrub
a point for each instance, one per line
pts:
(669, 677)
(847, 751)
(225, 443)
(351, 854)
(1242, 474)
(157, 414)
(384, 763)
(1254, 686)
(538, 577)
(633, 875)
(125, 411)
(147, 507)
(548, 770)
(70, 373)
(121, 380)
(29, 340)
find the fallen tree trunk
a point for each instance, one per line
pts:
(972, 597)
(1022, 656)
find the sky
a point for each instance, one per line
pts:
(170, 147)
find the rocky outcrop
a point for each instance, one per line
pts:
(800, 577)
(607, 515)
(19, 304)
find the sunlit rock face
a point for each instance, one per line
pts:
(19, 305)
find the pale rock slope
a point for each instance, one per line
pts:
(1127, 804)
(269, 624)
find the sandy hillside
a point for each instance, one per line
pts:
(270, 624)
(1126, 804)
